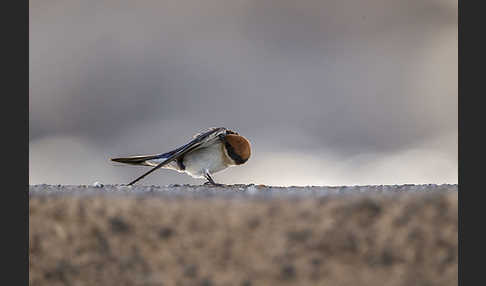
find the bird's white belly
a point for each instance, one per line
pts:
(200, 160)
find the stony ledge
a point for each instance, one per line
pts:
(393, 235)
(240, 190)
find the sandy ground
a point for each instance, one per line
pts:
(243, 235)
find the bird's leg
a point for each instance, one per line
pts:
(210, 180)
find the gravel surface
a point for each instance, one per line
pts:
(243, 235)
(235, 191)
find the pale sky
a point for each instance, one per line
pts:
(328, 92)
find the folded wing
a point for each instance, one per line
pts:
(201, 140)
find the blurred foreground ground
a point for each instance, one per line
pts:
(243, 235)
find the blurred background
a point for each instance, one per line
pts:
(331, 92)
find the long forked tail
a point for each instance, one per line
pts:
(138, 160)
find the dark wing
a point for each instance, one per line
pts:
(201, 140)
(143, 159)
(139, 160)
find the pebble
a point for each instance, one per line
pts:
(97, 184)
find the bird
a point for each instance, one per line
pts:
(209, 152)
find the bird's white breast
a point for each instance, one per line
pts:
(210, 158)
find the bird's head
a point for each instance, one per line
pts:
(237, 147)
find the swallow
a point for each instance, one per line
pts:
(209, 152)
